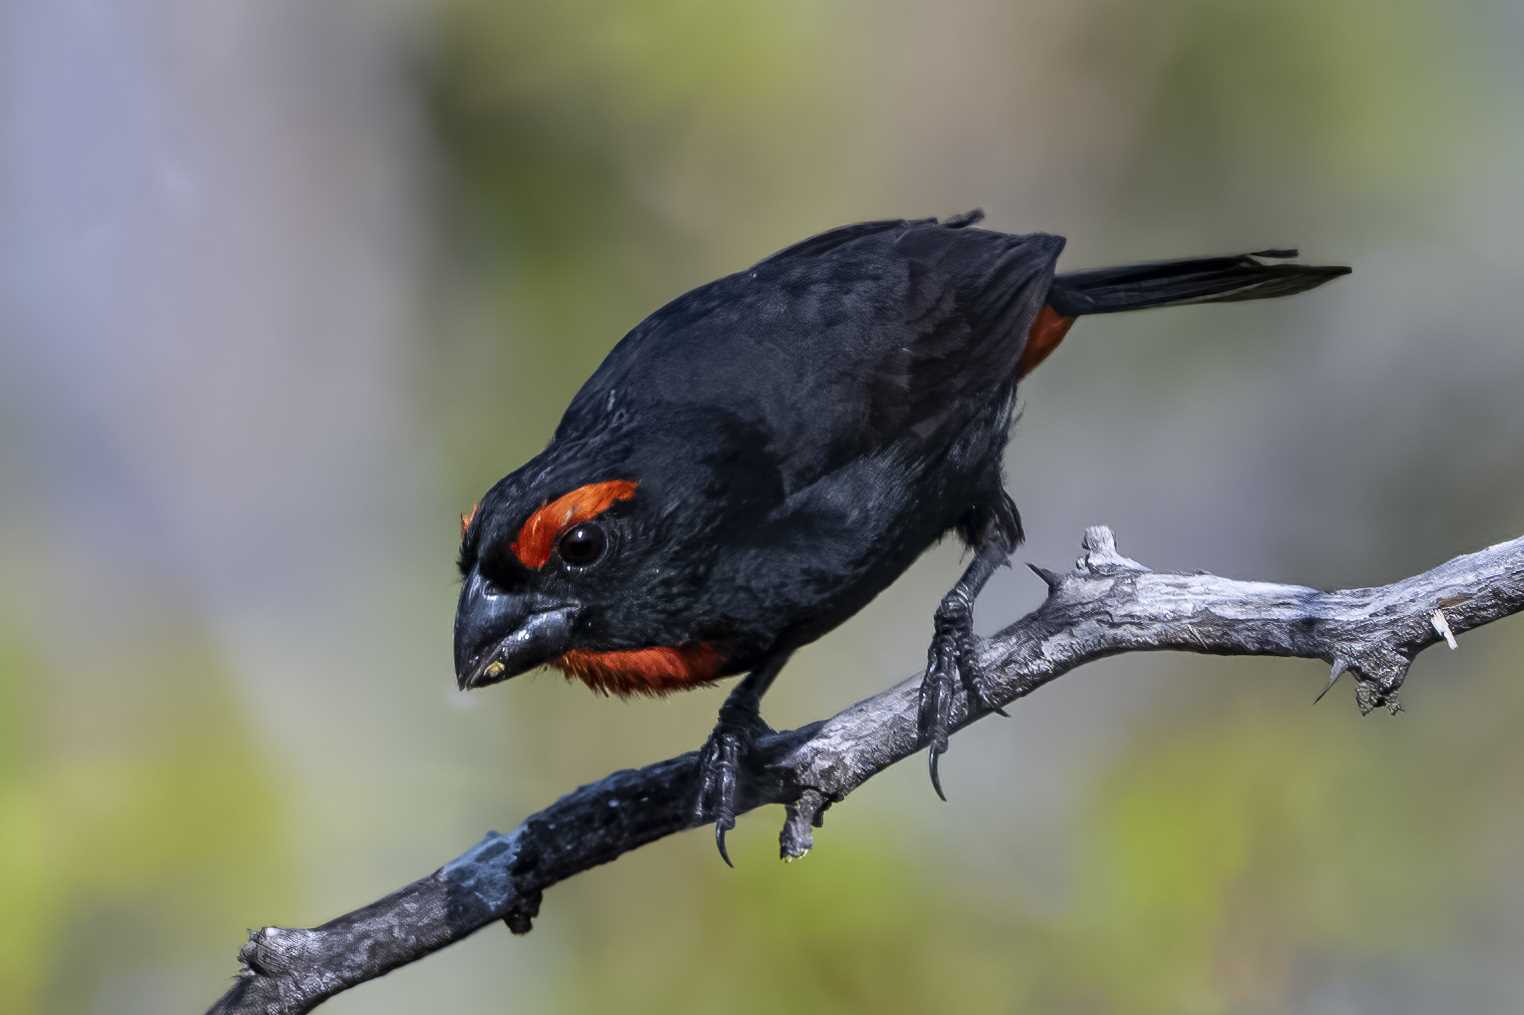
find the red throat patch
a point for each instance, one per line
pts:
(653, 671)
(537, 537)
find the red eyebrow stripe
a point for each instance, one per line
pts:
(537, 536)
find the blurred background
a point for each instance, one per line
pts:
(285, 286)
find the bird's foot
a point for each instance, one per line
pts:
(720, 764)
(953, 655)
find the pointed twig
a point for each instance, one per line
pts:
(1339, 666)
(1052, 579)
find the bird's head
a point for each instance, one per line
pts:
(567, 569)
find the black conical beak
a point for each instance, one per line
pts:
(500, 635)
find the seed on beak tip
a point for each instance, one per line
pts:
(494, 668)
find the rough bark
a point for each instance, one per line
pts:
(1105, 605)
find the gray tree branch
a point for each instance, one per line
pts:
(1105, 605)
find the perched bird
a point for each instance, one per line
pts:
(759, 458)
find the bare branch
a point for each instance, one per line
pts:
(1107, 604)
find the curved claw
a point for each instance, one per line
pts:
(719, 841)
(936, 780)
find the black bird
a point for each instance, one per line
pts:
(762, 456)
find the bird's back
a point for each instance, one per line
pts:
(872, 335)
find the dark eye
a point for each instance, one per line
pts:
(583, 544)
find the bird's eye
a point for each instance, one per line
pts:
(583, 544)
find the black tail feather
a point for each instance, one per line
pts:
(1177, 283)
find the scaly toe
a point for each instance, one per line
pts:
(936, 708)
(719, 768)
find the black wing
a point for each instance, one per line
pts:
(836, 347)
